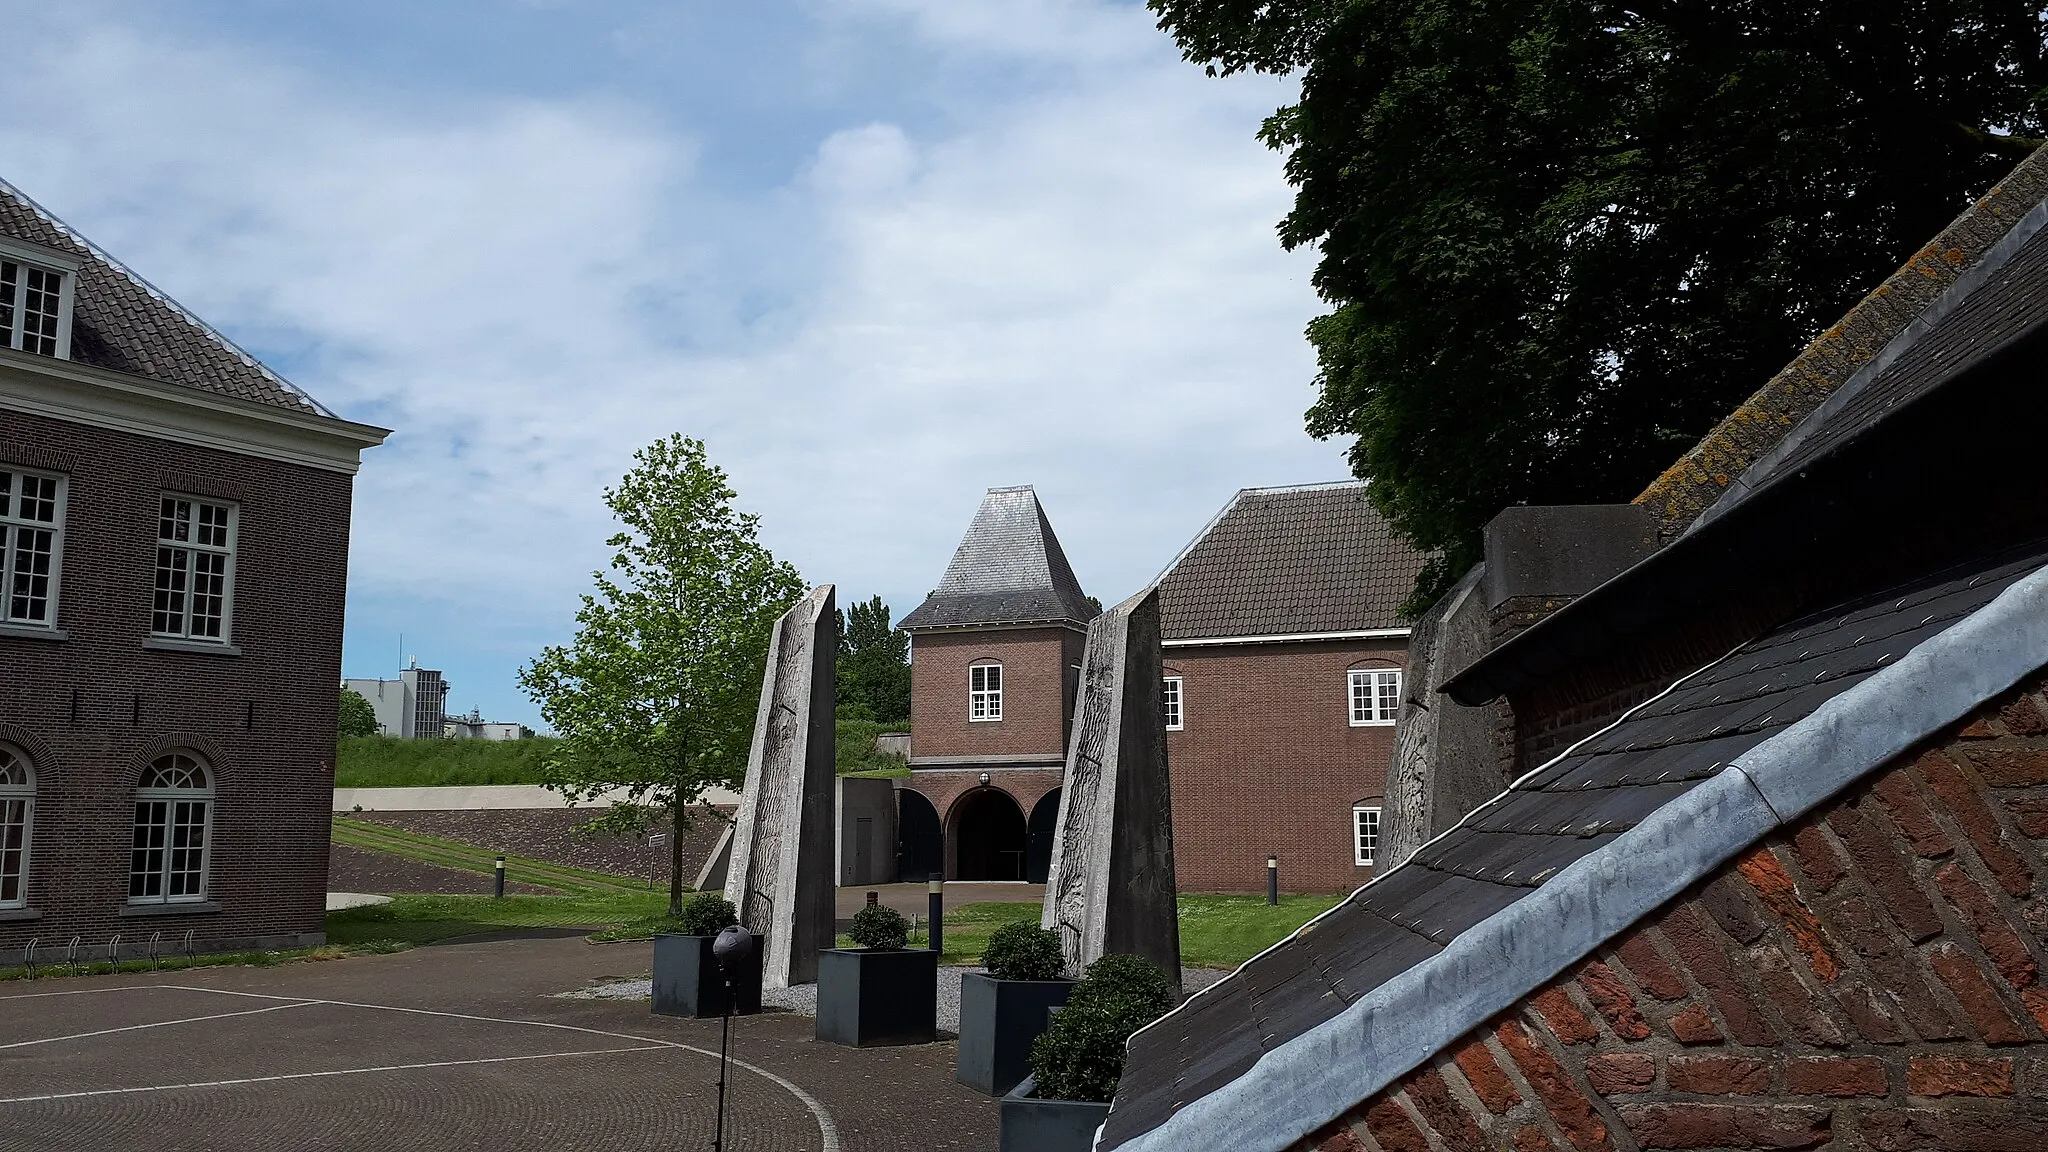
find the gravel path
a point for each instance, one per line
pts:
(803, 999)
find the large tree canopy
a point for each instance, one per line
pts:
(874, 665)
(657, 693)
(1561, 238)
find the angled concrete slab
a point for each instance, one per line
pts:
(1111, 889)
(780, 868)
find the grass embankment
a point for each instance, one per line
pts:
(472, 858)
(855, 752)
(385, 762)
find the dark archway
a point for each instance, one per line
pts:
(1045, 818)
(988, 836)
(920, 842)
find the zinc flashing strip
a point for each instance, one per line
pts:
(1387, 1033)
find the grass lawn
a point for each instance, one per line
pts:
(386, 762)
(424, 919)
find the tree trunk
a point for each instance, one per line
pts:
(675, 860)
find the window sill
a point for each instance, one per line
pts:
(32, 632)
(205, 647)
(21, 914)
(173, 909)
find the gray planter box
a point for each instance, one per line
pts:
(869, 997)
(1033, 1125)
(687, 981)
(998, 1021)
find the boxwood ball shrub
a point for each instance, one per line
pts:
(1081, 1055)
(706, 914)
(879, 926)
(1023, 952)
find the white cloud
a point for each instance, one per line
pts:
(1077, 288)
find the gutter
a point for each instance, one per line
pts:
(1395, 1028)
(1290, 638)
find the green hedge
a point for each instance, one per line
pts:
(386, 762)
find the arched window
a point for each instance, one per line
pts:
(17, 811)
(173, 810)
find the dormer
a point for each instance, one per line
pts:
(36, 289)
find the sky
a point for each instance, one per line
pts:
(880, 256)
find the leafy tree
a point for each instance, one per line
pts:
(657, 693)
(874, 665)
(358, 718)
(1561, 238)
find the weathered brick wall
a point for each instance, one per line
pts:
(1267, 761)
(93, 709)
(1038, 692)
(1870, 978)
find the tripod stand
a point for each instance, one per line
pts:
(732, 948)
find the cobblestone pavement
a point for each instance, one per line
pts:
(462, 1046)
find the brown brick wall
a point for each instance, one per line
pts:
(93, 709)
(944, 787)
(1038, 692)
(1267, 761)
(1869, 978)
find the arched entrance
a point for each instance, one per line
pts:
(1045, 817)
(987, 835)
(920, 843)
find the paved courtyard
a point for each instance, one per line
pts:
(458, 1046)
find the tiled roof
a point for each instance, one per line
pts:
(120, 322)
(1009, 569)
(1289, 561)
(1511, 847)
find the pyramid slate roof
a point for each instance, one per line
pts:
(1301, 560)
(1008, 570)
(1579, 850)
(120, 322)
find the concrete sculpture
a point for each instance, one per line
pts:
(780, 868)
(1111, 889)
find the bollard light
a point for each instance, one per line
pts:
(1273, 880)
(498, 868)
(935, 909)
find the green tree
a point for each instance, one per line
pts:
(357, 717)
(657, 693)
(874, 665)
(1561, 238)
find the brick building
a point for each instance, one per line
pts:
(1283, 649)
(173, 553)
(1770, 871)
(995, 661)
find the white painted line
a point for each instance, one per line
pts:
(828, 1132)
(317, 1075)
(158, 1024)
(83, 991)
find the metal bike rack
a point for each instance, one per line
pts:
(71, 956)
(114, 952)
(156, 945)
(28, 955)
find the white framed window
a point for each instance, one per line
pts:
(173, 815)
(17, 819)
(36, 287)
(985, 692)
(1169, 695)
(31, 546)
(1375, 696)
(1365, 833)
(195, 569)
